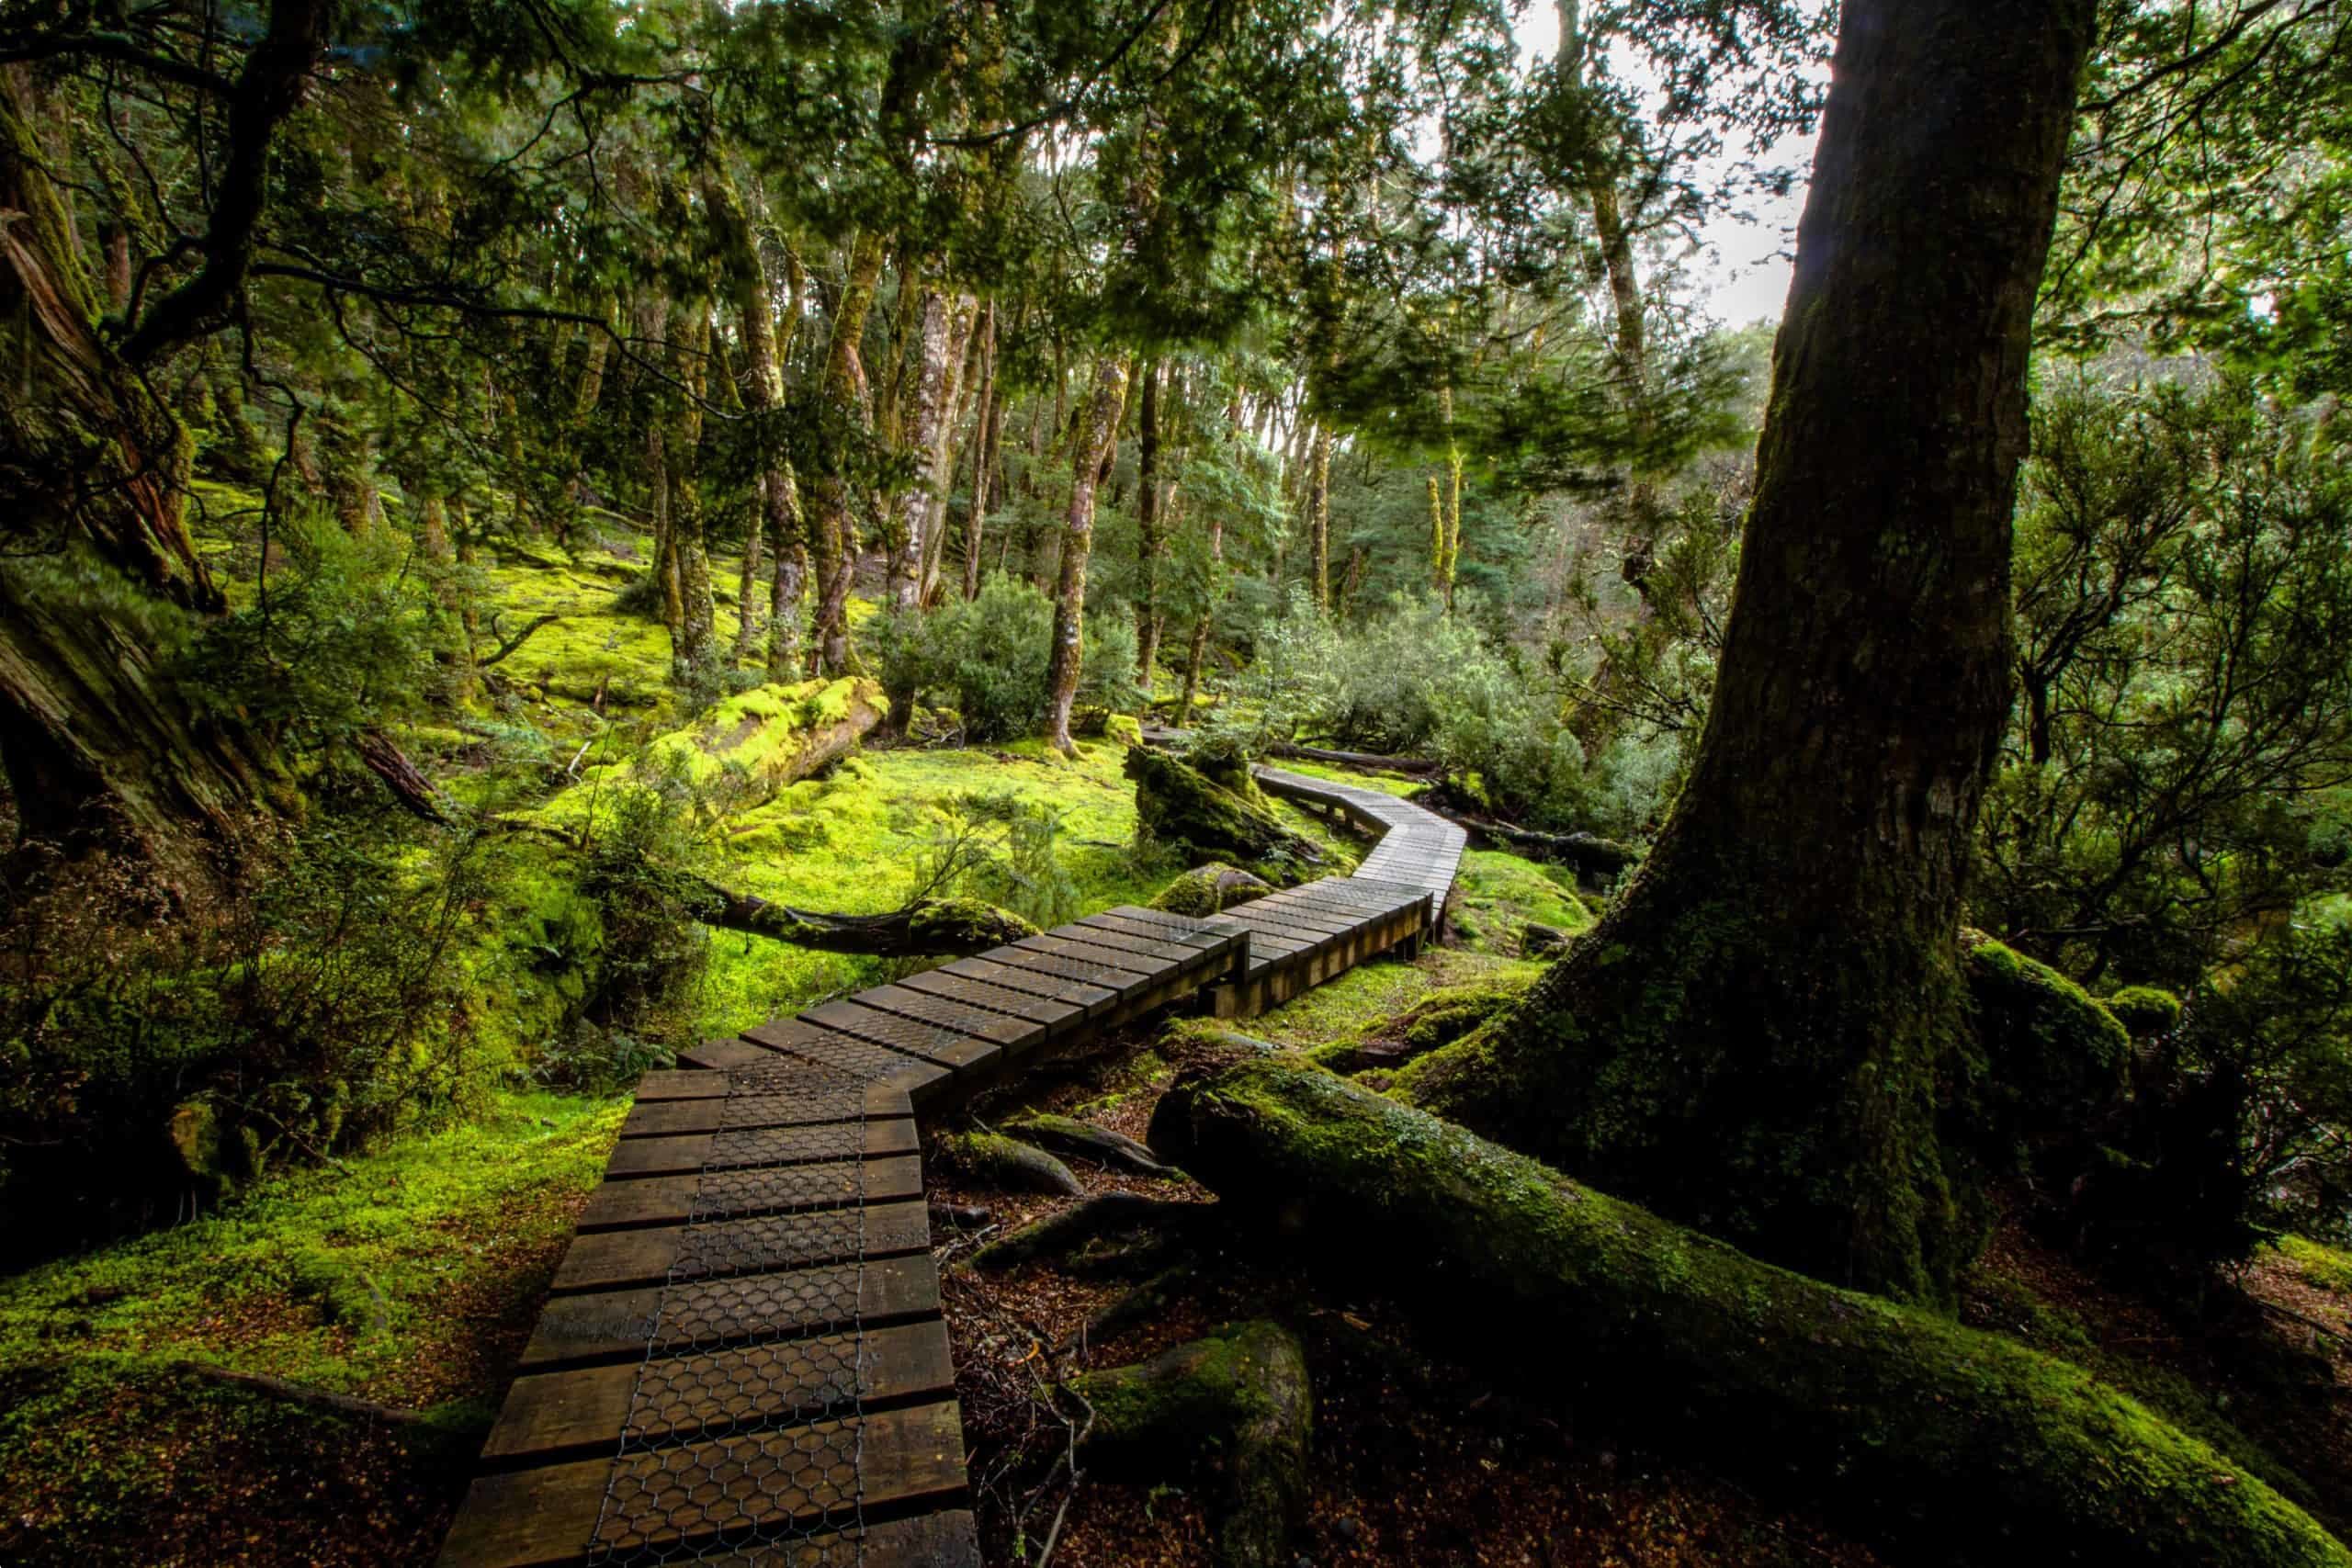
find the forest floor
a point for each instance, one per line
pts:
(410, 1275)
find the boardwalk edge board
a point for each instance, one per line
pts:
(743, 1350)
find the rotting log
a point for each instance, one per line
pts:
(928, 927)
(1965, 1444)
(407, 783)
(1587, 854)
(1237, 1401)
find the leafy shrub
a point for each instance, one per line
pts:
(149, 1053)
(992, 653)
(1107, 681)
(1004, 850)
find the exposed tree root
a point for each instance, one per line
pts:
(1107, 1214)
(928, 926)
(1962, 1443)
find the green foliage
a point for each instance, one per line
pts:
(150, 1053)
(2051, 1061)
(339, 638)
(2185, 632)
(991, 652)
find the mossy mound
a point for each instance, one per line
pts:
(1211, 889)
(2145, 1011)
(997, 1161)
(2053, 1059)
(1179, 805)
(1237, 1401)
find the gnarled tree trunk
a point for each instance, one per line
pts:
(100, 751)
(1752, 1038)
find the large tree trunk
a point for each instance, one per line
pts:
(829, 527)
(99, 750)
(1753, 1038)
(1098, 432)
(1319, 517)
(1960, 1445)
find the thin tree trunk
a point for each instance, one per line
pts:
(945, 323)
(1150, 546)
(1757, 1036)
(984, 423)
(1097, 433)
(831, 530)
(1318, 516)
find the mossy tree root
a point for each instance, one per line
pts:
(1106, 1214)
(1238, 1402)
(1070, 1137)
(1010, 1165)
(1966, 1444)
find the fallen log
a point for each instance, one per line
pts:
(1590, 853)
(1965, 1445)
(926, 928)
(1367, 760)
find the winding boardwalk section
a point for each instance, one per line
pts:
(744, 1358)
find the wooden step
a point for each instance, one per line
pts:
(575, 1415)
(810, 1475)
(609, 1325)
(606, 1260)
(760, 1189)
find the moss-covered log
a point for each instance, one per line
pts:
(1965, 1445)
(1177, 804)
(2051, 1062)
(927, 928)
(1237, 1400)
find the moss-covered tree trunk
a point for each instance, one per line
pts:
(943, 320)
(831, 530)
(1962, 1446)
(99, 573)
(1752, 1038)
(1098, 432)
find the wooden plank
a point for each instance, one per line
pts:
(551, 1515)
(1094, 998)
(681, 1084)
(1156, 953)
(848, 1053)
(1009, 1033)
(575, 1415)
(608, 1259)
(613, 1326)
(1056, 1015)
(1077, 960)
(672, 1118)
(1202, 942)
(675, 1200)
(936, 1043)
(771, 1146)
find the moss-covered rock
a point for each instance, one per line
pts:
(1211, 889)
(2145, 1011)
(1962, 1445)
(1177, 804)
(1238, 1402)
(2053, 1060)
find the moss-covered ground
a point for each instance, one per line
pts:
(405, 1277)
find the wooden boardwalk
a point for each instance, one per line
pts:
(744, 1358)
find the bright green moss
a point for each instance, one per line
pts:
(2146, 1011)
(1499, 894)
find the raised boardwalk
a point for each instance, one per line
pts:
(744, 1358)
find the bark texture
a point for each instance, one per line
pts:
(1753, 1038)
(832, 533)
(1097, 434)
(99, 750)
